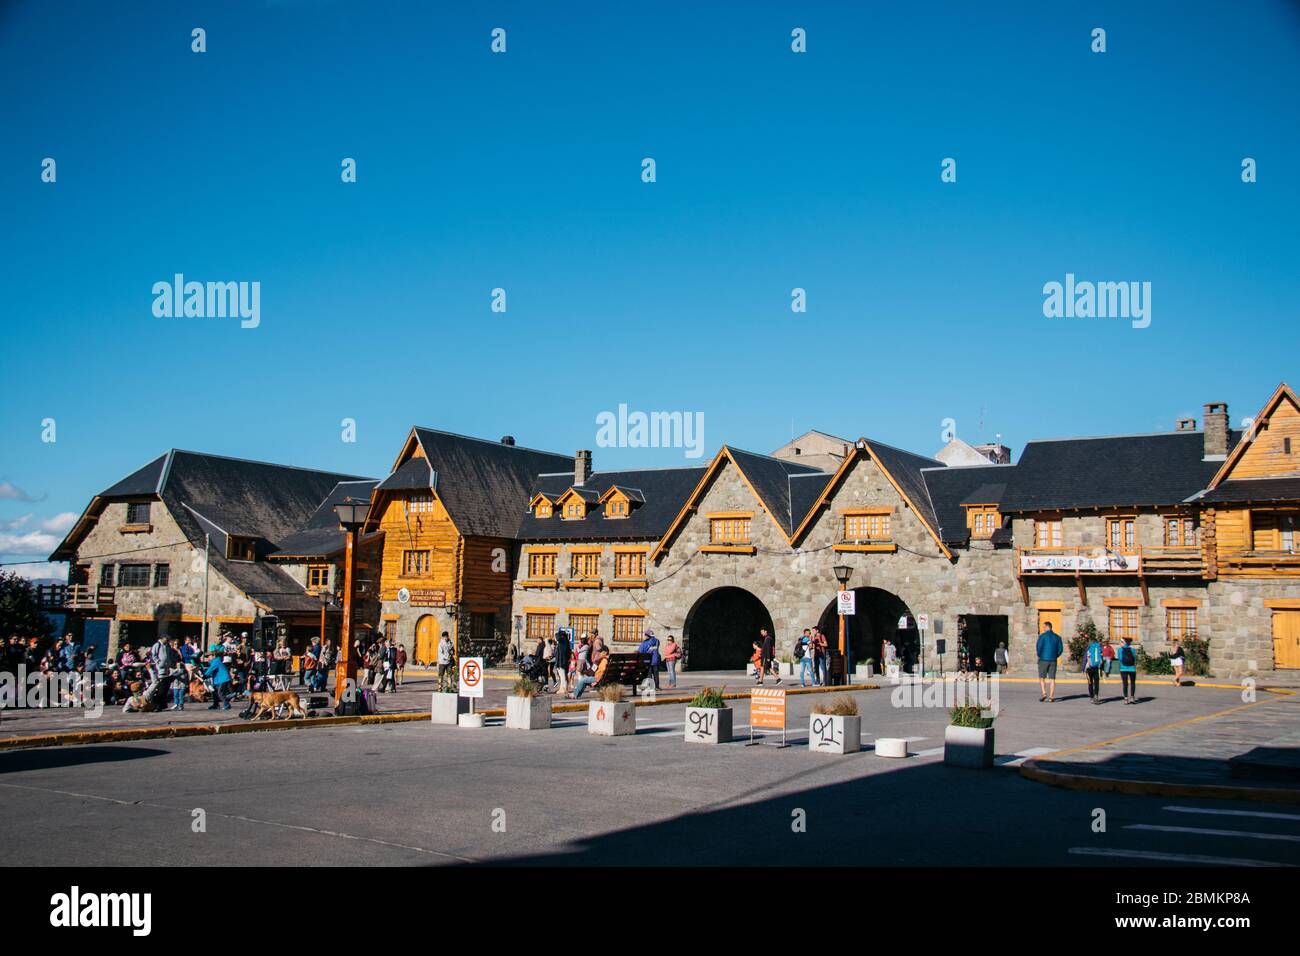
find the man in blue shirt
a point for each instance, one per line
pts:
(1093, 659)
(1049, 649)
(220, 680)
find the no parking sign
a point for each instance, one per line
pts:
(471, 677)
(846, 602)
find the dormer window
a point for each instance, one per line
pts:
(573, 505)
(616, 508)
(419, 504)
(619, 502)
(241, 549)
(982, 520)
(543, 510)
(575, 508)
(542, 506)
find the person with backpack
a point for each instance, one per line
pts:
(1048, 648)
(1177, 660)
(1093, 659)
(803, 654)
(1128, 671)
(1001, 658)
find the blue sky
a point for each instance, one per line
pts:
(522, 171)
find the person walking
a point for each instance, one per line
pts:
(672, 654)
(323, 665)
(803, 650)
(310, 660)
(769, 654)
(401, 662)
(1048, 648)
(220, 675)
(389, 665)
(756, 658)
(821, 658)
(651, 646)
(1128, 671)
(1001, 658)
(1107, 657)
(1178, 659)
(445, 650)
(1093, 661)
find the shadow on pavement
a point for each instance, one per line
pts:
(17, 761)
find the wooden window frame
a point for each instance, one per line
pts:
(543, 558)
(318, 577)
(623, 620)
(629, 565)
(135, 519)
(982, 520)
(581, 563)
(241, 548)
(421, 564)
(135, 570)
(1185, 536)
(475, 619)
(727, 528)
(1055, 529)
(1124, 621)
(1180, 623)
(584, 615)
(419, 505)
(162, 575)
(542, 628)
(544, 510)
(1128, 532)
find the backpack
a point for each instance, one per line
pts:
(1127, 657)
(798, 650)
(1094, 655)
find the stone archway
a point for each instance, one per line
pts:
(721, 627)
(877, 617)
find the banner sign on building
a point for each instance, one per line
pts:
(1094, 561)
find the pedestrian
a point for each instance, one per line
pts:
(1048, 648)
(281, 658)
(548, 657)
(769, 654)
(220, 675)
(401, 662)
(562, 654)
(179, 683)
(888, 655)
(821, 657)
(1093, 660)
(1128, 671)
(310, 660)
(803, 653)
(672, 654)
(323, 665)
(445, 650)
(587, 680)
(1108, 657)
(1178, 659)
(756, 658)
(651, 646)
(1001, 658)
(389, 665)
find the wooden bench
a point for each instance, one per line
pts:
(627, 669)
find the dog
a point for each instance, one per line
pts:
(267, 701)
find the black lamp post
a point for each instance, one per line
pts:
(352, 515)
(842, 574)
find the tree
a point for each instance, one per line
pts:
(20, 611)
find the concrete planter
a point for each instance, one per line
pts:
(470, 720)
(832, 734)
(447, 708)
(968, 747)
(893, 671)
(528, 713)
(708, 725)
(606, 719)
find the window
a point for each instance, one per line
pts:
(583, 624)
(419, 504)
(133, 575)
(628, 628)
(415, 562)
(540, 626)
(137, 512)
(729, 530)
(1180, 622)
(482, 626)
(1123, 623)
(1121, 534)
(541, 565)
(585, 565)
(1274, 531)
(629, 564)
(241, 549)
(543, 509)
(576, 508)
(1180, 532)
(318, 576)
(867, 527)
(1047, 534)
(162, 575)
(106, 575)
(1287, 526)
(616, 508)
(983, 520)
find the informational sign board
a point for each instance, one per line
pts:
(923, 622)
(846, 602)
(471, 677)
(767, 710)
(903, 624)
(428, 598)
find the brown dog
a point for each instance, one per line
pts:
(267, 701)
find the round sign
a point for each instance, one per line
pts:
(470, 673)
(403, 595)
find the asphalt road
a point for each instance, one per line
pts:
(416, 794)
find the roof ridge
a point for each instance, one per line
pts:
(781, 461)
(1187, 431)
(902, 451)
(488, 441)
(269, 464)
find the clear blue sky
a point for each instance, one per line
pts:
(522, 170)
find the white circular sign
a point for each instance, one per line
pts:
(403, 595)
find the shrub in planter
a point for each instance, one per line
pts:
(708, 718)
(609, 715)
(1084, 635)
(835, 727)
(968, 738)
(525, 709)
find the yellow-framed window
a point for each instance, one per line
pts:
(419, 504)
(628, 628)
(1121, 533)
(1047, 532)
(629, 564)
(415, 562)
(984, 521)
(318, 575)
(543, 510)
(1180, 623)
(1180, 532)
(585, 564)
(867, 527)
(541, 564)
(540, 626)
(576, 508)
(729, 530)
(583, 624)
(1123, 623)
(616, 508)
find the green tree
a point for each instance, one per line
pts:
(20, 611)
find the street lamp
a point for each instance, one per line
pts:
(352, 515)
(842, 574)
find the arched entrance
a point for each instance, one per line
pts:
(877, 617)
(426, 640)
(721, 628)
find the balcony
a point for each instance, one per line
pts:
(51, 597)
(1266, 563)
(1083, 564)
(89, 597)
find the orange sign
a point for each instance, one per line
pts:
(471, 677)
(767, 708)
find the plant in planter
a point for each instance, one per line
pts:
(835, 728)
(968, 738)
(609, 715)
(708, 718)
(525, 708)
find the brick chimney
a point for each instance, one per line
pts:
(1185, 425)
(581, 467)
(1216, 429)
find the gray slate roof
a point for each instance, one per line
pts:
(907, 471)
(1242, 490)
(321, 536)
(663, 490)
(772, 480)
(949, 488)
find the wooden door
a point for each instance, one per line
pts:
(426, 640)
(1286, 639)
(1053, 617)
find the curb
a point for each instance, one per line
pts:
(1157, 788)
(78, 738)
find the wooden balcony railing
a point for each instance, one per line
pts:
(89, 597)
(1260, 561)
(1100, 561)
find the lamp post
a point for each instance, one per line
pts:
(842, 574)
(352, 515)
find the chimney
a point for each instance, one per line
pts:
(581, 467)
(507, 439)
(1216, 429)
(1185, 425)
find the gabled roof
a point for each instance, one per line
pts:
(1281, 393)
(321, 536)
(590, 495)
(631, 494)
(143, 481)
(954, 487)
(414, 474)
(481, 483)
(1246, 490)
(663, 491)
(1067, 474)
(902, 469)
